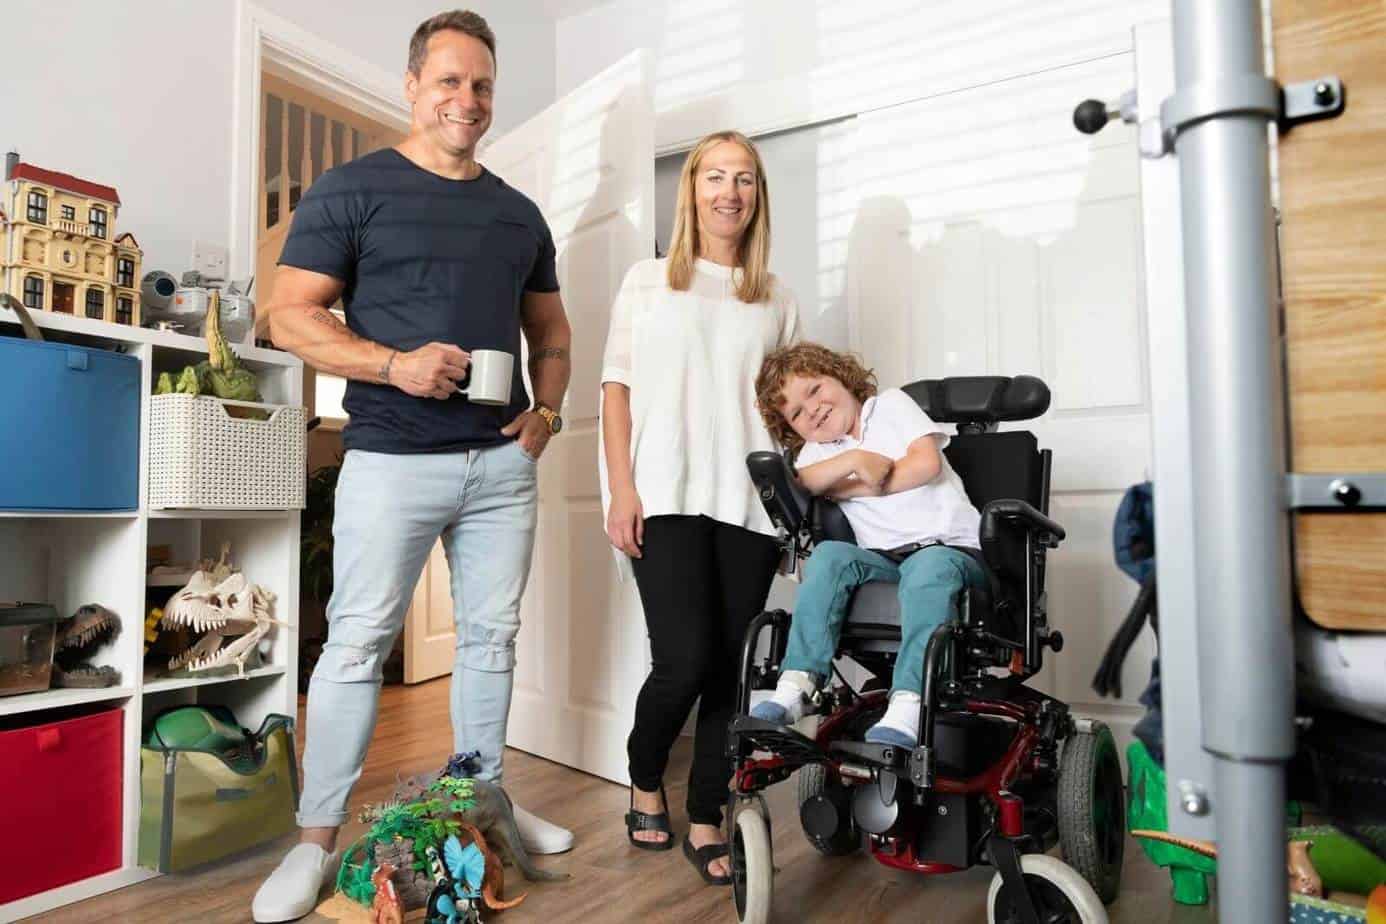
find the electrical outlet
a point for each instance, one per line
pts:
(210, 260)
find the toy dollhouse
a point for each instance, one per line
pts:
(58, 249)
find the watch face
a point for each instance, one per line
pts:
(555, 424)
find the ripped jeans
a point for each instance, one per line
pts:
(390, 511)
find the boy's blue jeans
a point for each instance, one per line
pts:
(930, 581)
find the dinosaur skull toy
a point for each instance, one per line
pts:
(88, 628)
(231, 610)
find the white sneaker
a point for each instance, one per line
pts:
(539, 836)
(900, 724)
(291, 891)
(788, 704)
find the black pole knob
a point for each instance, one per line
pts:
(1346, 493)
(1090, 116)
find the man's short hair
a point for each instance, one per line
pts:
(464, 21)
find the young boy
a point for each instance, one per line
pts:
(880, 457)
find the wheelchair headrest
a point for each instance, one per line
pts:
(981, 401)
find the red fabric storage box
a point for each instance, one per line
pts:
(60, 798)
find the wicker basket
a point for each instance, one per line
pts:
(201, 457)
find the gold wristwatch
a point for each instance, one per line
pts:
(550, 416)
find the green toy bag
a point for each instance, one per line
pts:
(210, 788)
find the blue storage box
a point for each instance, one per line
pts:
(69, 427)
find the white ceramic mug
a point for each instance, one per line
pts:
(488, 377)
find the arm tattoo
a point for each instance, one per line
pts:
(548, 353)
(326, 317)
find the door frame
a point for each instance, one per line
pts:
(266, 42)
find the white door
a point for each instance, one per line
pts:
(430, 634)
(588, 161)
(991, 238)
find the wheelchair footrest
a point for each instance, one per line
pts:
(888, 756)
(793, 747)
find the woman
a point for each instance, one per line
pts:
(678, 418)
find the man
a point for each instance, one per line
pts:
(432, 257)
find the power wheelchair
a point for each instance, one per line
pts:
(1002, 772)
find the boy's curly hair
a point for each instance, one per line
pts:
(805, 359)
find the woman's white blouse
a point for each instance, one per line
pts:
(690, 360)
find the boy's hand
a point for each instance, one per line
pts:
(873, 468)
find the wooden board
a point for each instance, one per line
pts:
(1333, 239)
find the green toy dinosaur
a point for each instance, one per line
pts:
(221, 374)
(189, 383)
(224, 376)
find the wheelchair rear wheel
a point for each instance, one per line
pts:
(1060, 895)
(753, 869)
(1092, 809)
(826, 805)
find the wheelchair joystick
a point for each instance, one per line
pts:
(1055, 640)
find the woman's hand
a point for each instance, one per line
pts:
(625, 522)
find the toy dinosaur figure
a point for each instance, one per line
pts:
(230, 609)
(387, 908)
(424, 812)
(224, 375)
(221, 374)
(493, 815)
(189, 383)
(88, 627)
(494, 880)
(1304, 879)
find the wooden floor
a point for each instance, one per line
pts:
(613, 882)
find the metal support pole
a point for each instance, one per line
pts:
(1240, 521)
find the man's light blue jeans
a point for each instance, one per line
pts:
(930, 581)
(390, 510)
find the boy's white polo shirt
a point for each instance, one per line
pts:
(938, 511)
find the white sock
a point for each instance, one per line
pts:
(791, 691)
(903, 713)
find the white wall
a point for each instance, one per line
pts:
(137, 95)
(763, 65)
(952, 227)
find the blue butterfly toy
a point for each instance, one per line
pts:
(456, 899)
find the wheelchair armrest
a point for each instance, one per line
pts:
(1011, 510)
(784, 499)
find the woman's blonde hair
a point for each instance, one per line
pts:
(807, 360)
(753, 253)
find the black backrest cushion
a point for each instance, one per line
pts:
(996, 466)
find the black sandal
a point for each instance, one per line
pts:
(701, 857)
(649, 821)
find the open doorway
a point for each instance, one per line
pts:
(302, 136)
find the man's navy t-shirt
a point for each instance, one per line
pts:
(425, 259)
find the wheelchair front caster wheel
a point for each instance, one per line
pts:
(753, 871)
(1059, 894)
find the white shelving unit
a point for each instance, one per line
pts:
(70, 559)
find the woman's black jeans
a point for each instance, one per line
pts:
(701, 582)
